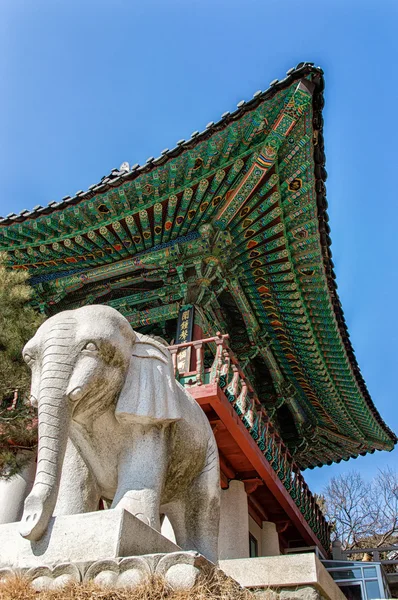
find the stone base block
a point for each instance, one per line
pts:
(180, 570)
(82, 538)
(294, 576)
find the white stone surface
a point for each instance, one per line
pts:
(13, 492)
(80, 538)
(287, 571)
(45, 578)
(182, 577)
(179, 569)
(167, 530)
(234, 522)
(115, 424)
(269, 540)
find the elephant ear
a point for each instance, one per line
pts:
(149, 394)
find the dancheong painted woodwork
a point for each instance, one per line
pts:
(232, 222)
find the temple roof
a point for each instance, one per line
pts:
(249, 190)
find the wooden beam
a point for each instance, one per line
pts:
(224, 482)
(259, 509)
(257, 518)
(226, 467)
(281, 526)
(252, 484)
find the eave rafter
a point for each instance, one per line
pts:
(139, 237)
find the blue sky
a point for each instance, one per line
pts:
(88, 84)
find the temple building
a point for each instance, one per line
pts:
(221, 248)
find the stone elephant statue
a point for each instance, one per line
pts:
(114, 424)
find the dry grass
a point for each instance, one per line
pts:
(216, 587)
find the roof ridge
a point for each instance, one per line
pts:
(127, 173)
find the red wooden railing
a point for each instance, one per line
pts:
(229, 376)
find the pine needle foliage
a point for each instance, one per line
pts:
(18, 323)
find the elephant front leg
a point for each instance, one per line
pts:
(141, 475)
(78, 490)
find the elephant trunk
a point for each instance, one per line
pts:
(53, 424)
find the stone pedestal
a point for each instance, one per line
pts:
(93, 536)
(269, 540)
(110, 547)
(234, 522)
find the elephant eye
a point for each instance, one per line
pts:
(91, 347)
(28, 358)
